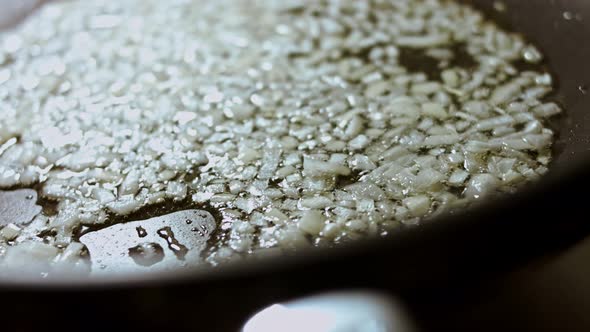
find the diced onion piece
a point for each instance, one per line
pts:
(418, 206)
(480, 185)
(432, 40)
(313, 167)
(441, 140)
(10, 231)
(547, 110)
(312, 222)
(458, 177)
(434, 110)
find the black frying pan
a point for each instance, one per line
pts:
(457, 249)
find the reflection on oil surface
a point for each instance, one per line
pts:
(160, 243)
(18, 206)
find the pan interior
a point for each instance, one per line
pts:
(573, 139)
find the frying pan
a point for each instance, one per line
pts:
(461, 248)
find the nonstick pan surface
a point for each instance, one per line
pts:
(459, 248)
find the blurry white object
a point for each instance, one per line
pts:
(334, 312)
